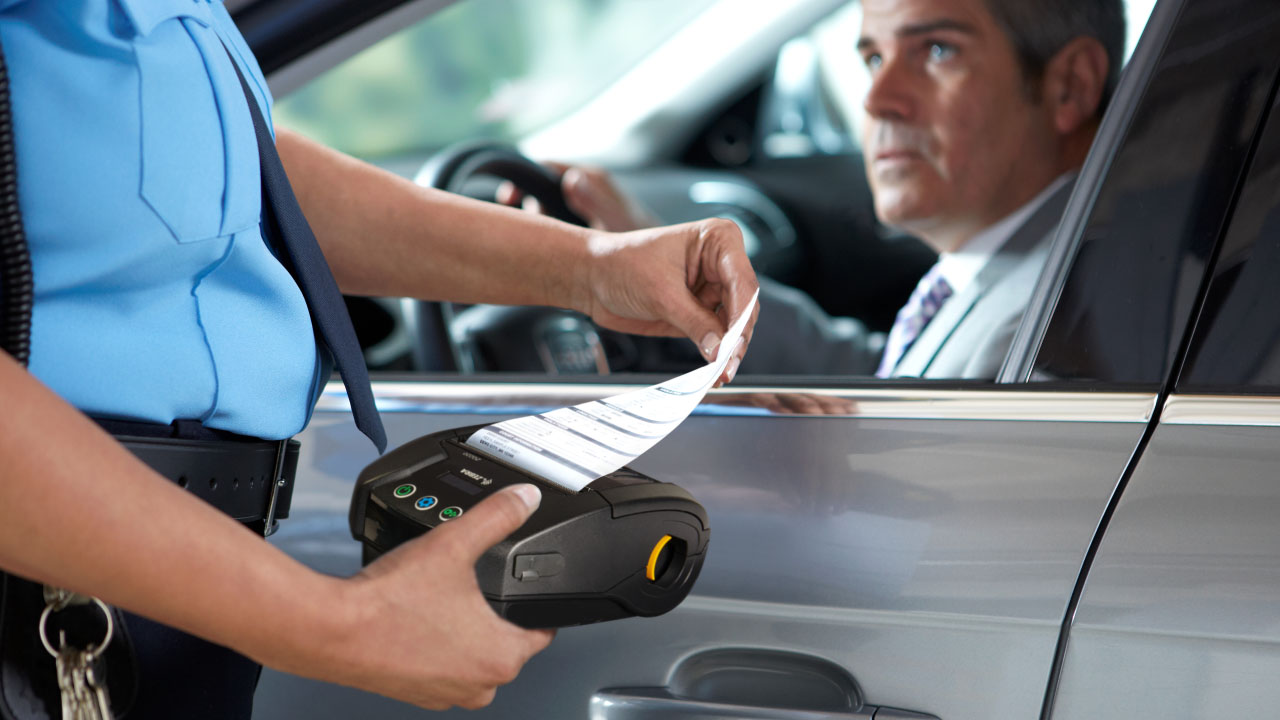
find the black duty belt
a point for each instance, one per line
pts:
(249, 479)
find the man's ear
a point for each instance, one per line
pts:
(1073, 83)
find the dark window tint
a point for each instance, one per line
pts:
(1125, 306)
(1237, 341)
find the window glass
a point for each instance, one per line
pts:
(1126, 304)
(1237, 343)
(481, 68)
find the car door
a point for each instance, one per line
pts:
(875, 544)
(1177, 617)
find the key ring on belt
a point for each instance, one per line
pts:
(57, 600)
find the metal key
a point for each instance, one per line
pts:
(81, 682)
(84, 694)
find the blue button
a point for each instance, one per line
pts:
(425, 502)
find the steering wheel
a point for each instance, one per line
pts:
(450, 337)
(454, 167)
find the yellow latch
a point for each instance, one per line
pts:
(651, 570)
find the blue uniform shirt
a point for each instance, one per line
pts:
(156, 297)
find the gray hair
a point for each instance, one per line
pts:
(1040, 28)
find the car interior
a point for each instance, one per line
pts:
(757, 125)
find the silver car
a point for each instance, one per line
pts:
(1091, 535)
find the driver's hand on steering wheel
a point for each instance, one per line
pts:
(590, 192)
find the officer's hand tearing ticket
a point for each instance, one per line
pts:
(606, 543)
(575, 445)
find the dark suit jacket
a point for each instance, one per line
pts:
(968, 339)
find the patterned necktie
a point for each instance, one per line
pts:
(925, 301)
(287, 231)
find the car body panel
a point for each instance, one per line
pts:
(1179, 617)
(921, 533)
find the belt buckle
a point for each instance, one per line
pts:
(269, 523)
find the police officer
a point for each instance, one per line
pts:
(158, 304)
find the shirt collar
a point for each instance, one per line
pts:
(146, 15)
(960, 267)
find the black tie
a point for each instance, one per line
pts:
(287, 231)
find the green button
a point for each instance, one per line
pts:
(405, 490)
(450, 513)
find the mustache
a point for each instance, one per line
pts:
(897, 137)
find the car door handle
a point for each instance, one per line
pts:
(658, 704)
(747, 684)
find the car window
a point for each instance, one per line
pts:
(481, 68)
(1237, 343)
(512, 69)
(817, 91)
(1124, 309)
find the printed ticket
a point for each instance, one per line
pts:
(575, 445)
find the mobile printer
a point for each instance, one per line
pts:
(624, 545)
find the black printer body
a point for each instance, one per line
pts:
(625, 545)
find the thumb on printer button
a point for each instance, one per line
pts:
(492, 519)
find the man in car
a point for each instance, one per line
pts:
(163, 309)
(979, 114)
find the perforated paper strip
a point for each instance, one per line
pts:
(575, 445)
